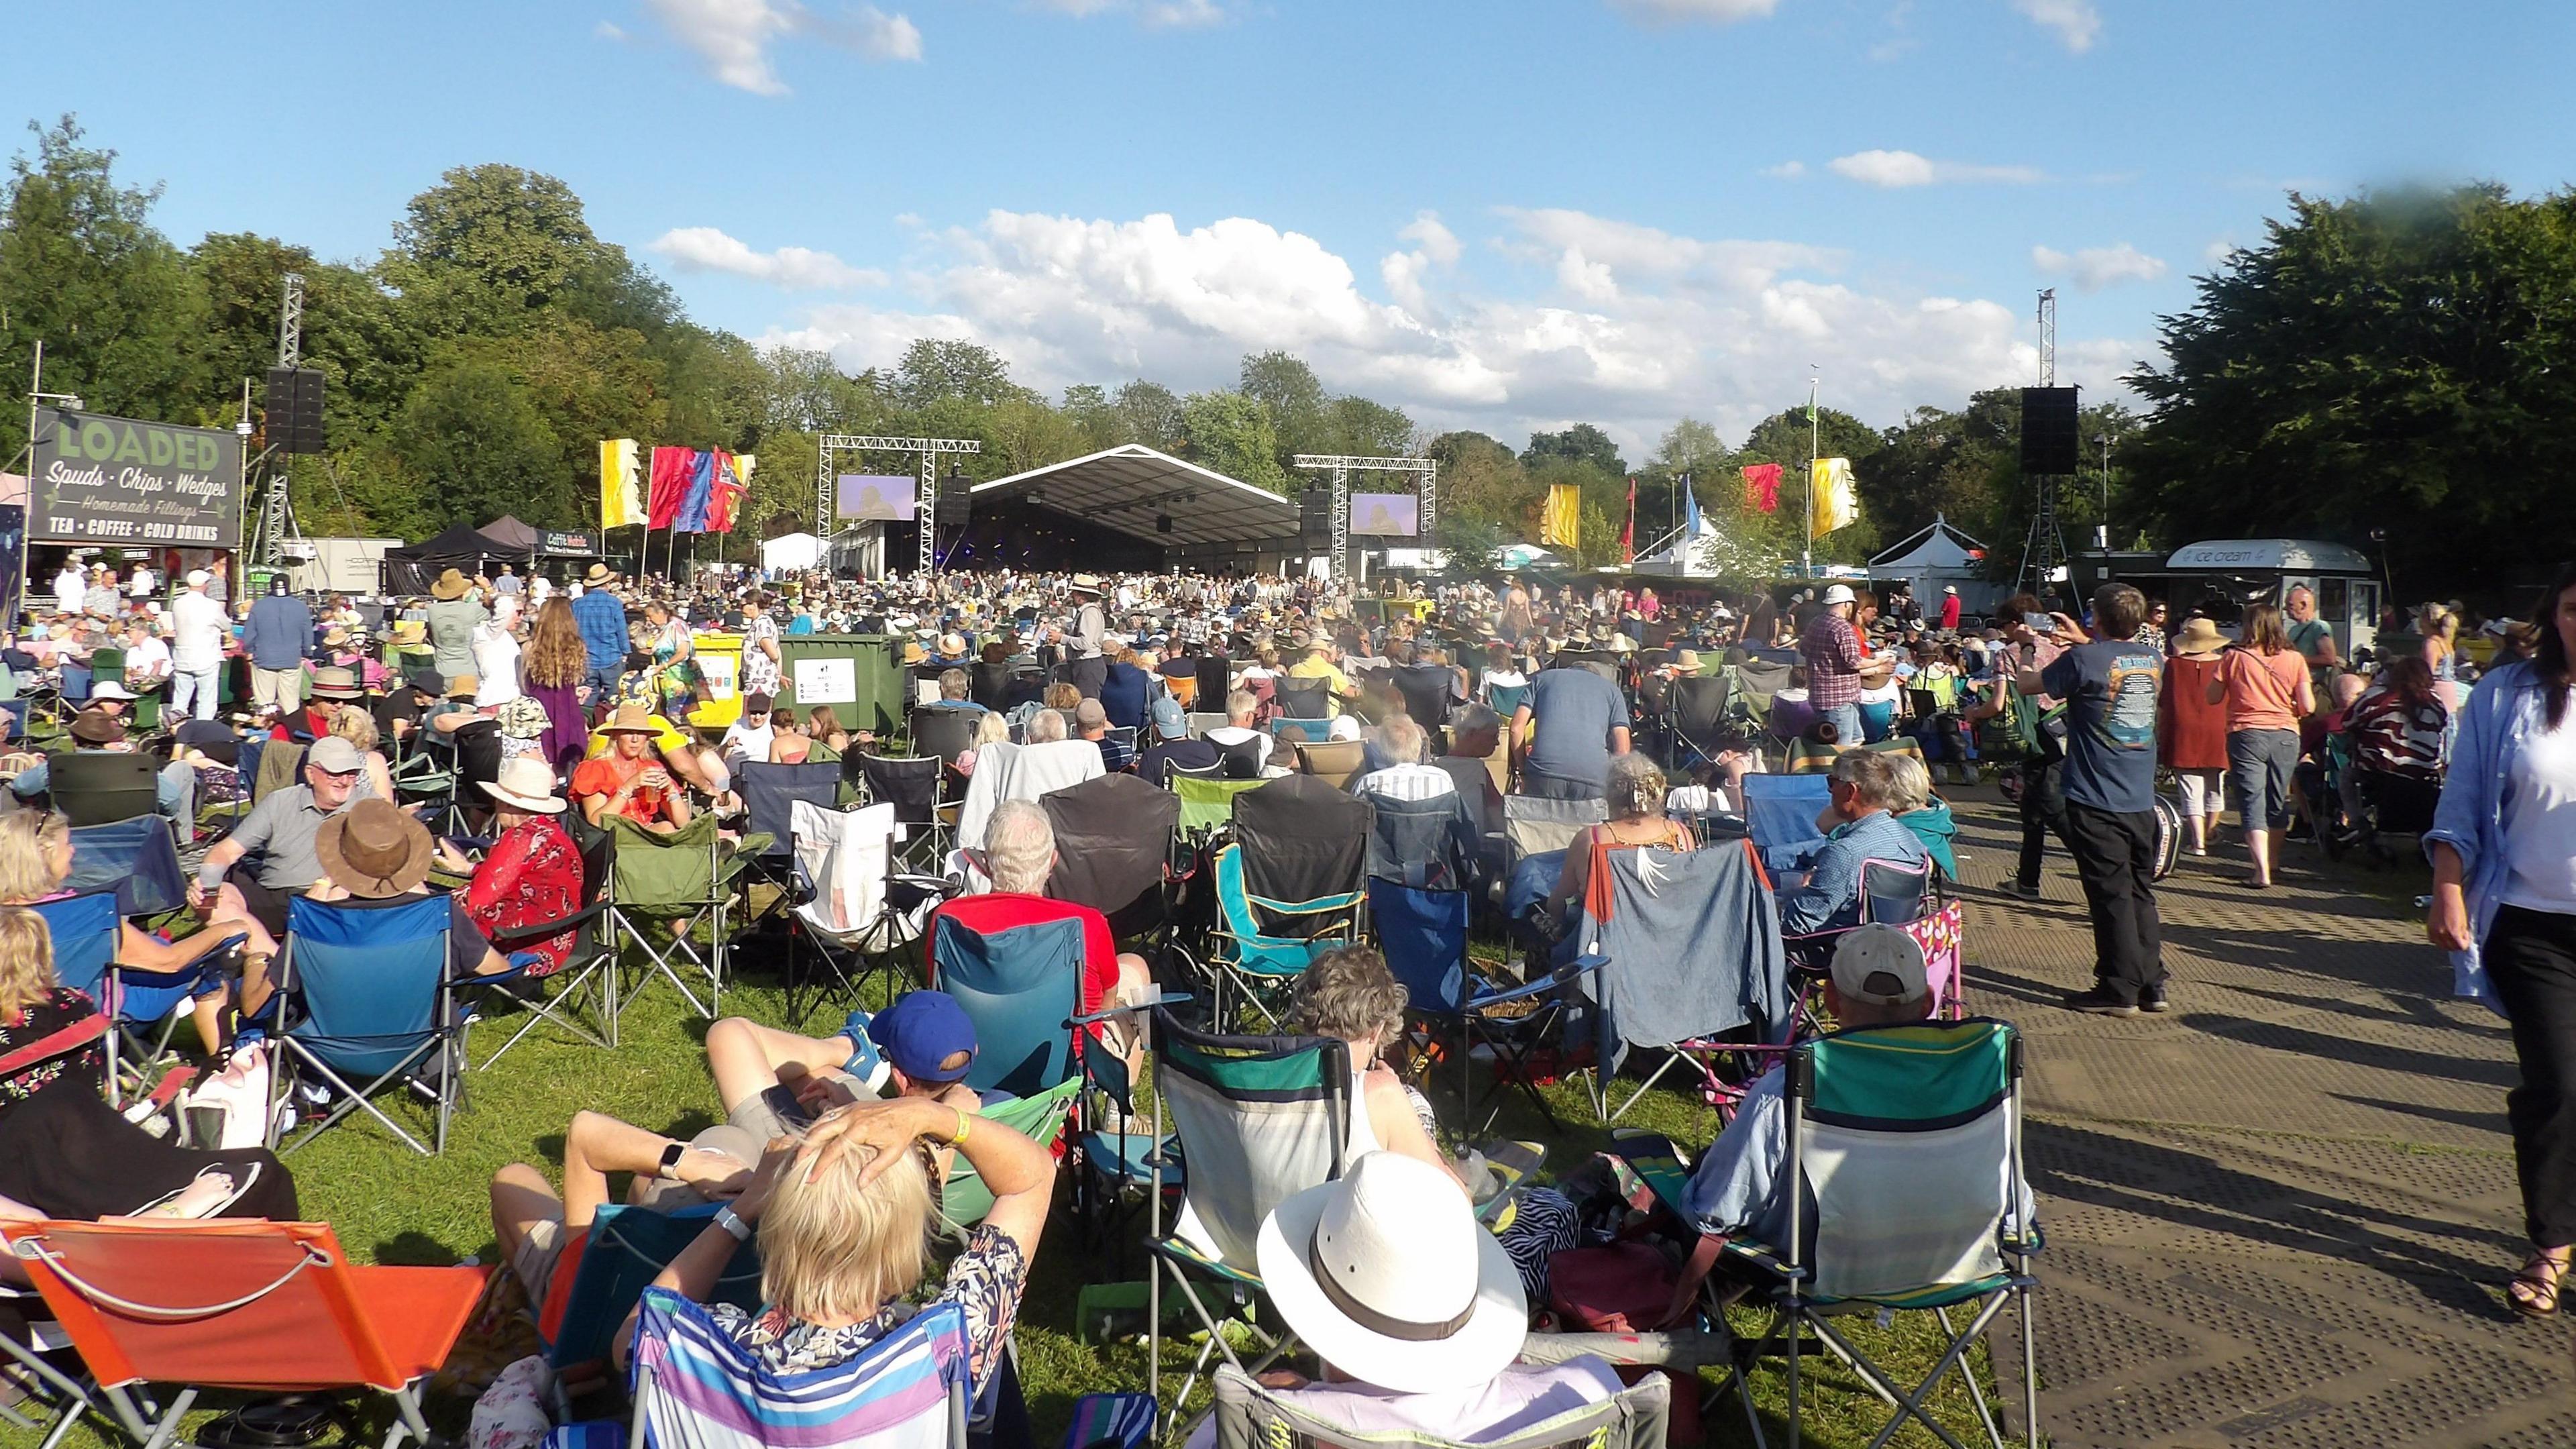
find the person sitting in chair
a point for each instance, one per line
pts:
(1020, 856)
(1858, 828)
(627, 780)
(532, 873)
(1740, 1186)
(97, 732)
(1415, 1312)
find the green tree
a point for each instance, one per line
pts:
(83, 270)
(1148, 413)
(1286, 386)
(934, 371)
(1480, 480)
(471, 445)
(1581, 443)
(1230, 433)
(1359, 428)
(487, 248)
(1784, 438)
(2401, 363)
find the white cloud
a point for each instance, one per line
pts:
(1786, 170)
(1622, 324)
(733, 36)
(798, 269)
(2094, 268)
(2220, 248)
(1714, 12)
(607, 31)
(1155, 14)
(1907, 168)
(1437, 241)
(2075, 21)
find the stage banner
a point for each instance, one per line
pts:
(99, 479)
(1837, 496)
(1386, 515)
(568, 543)
(621, 498)
(885, 498)
(1561, 522)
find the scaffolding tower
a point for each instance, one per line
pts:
(925, 510)
(1425, 471)
(276, 510)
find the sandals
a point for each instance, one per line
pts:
(2533, 1292)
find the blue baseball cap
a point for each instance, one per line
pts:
(922, 1030)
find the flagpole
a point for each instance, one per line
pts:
(1807, 548)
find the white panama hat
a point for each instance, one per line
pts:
(1386, 1275)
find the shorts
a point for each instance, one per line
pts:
(2261, 761)
(266, 903)
(2204, 792)
(537, 1256)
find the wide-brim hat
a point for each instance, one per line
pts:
(597, 574)
(109, 689)
(632, 718)
(336, 683)
(1084, 583)
(97, 727)
(1686, 662)
(525, 784)
(1347, 1263)
(464, 686)
(410, 631)
(449, 586)
(2199, 636)
(373, 849)
(912, 652)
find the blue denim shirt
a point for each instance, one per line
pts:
(603, 627)
(1831, 895)
(2500, 715)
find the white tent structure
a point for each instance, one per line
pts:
(791, 553)
(1936, 557)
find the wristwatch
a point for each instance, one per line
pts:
(671, 1154)
(731, 1221)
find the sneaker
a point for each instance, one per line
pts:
(2153, 999)
(2017, 889)
(2099, 1002)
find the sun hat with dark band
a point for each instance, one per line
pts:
(374, 850)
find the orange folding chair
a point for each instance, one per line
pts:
(270, 1307)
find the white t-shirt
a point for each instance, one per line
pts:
(147, 659)
(140, 586)
(496, 666)
(2540, 818)
(754, 744)
(197, 628)
(71, 587)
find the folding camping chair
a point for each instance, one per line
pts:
(944, 733)
(963, 1198)
(626, 1249)
(1261, 944)
(364, 996)
(478, 763)
(1780, 810)
(137, 858)
(1113, 844)
(1259, 1119)
(1909, 1139)
(1423, 934)
(96, 787)
(768, 794)
(1335, 762)
(1249, 1416)
(682, 880)
(911, 785)
(694, 1387)
(1303, 699)
(1696, 713)
(1215, 674)
(1207, 804)
(589, 970)
(47, 1374)
(86, 930)
(852, 901)
(1692, 942)
(1431, 843)
(235, 1304)
(1311, 727)
(1015, 965)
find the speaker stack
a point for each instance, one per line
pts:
(294, 415)
(2051, 441)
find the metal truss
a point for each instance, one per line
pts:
(1426, 473)
(925, 508)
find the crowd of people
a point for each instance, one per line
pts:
(830, 1151)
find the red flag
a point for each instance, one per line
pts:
(671, 468)
(729, 491)
(1628, 534)
(1762, 487)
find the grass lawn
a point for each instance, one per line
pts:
(392, 1206)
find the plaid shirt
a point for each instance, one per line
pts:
(1832, 651)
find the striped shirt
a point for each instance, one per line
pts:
(1407, 782)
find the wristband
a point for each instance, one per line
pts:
(964, 1125)
(731, 1221)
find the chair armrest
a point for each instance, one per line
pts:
(1168, 998)
(1563, 976)
(540, 930)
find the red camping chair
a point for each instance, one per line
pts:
(262, 1306)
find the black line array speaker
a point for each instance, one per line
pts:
(2051, 441)
(955, 508)
(1315, 517)
(294, 413)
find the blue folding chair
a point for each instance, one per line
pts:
(1248, 947)
(367, 999)
(1014, 964)
(1423, 934)
(135, 857)
(86, 931)
(1780, 810)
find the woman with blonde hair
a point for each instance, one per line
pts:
(64, 1152)
(844, 1218)
(1635, 793)
(359, 728)
(36, 850)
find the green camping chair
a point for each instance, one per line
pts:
(679, 881)
(964, 1199)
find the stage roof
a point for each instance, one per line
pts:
(1127, 487)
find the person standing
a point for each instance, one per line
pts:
(197, 630)
(1837, 666)
(2191, 730)
(760, 657)
(496, 654)
(1949, 606)
(509, 585)
(2313, 638)
(71, 588)
(453, 617)
(279, 635)
(1565, 732)
(2264, 684)
(2503, 849)
(1090, 630)
(2110, 686)
(604, 637)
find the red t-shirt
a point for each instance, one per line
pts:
(605, 775)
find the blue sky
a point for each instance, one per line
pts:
(1507, 214)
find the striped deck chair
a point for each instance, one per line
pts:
(695, 1388)
(1111, 1421)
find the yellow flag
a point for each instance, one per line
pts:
(1560, 523)
(620, 501)
(1837, 497)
